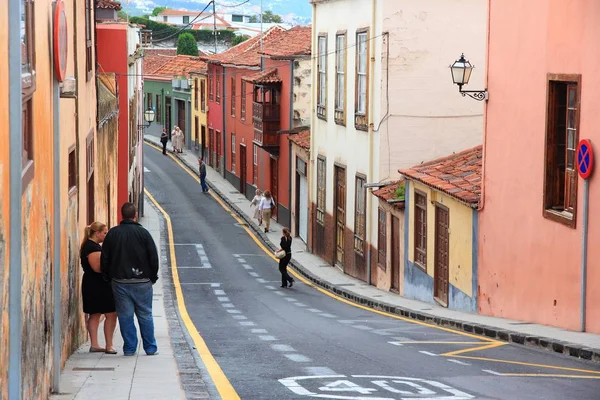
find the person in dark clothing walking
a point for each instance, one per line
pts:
(130, 262)
(202, 172)
(285, 245)
(164, 138)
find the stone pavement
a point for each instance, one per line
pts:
(312, 267)
(91, 376)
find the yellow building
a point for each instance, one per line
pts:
(440, 230)
(39, 252)
(199, 111)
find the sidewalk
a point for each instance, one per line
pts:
(576, 344)
(90, 376)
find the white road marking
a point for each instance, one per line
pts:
(270, 287)
(223, 298)
(241, 260)
(247, 323)
(282, 347)
(261, 280)
(220, 292)
(267, 338)
(236, 255)
(281, 293)
(215, 284)
(396, 343)
(239, 317)
(319, 371)
(326, 315)
(234, 311)
(363, 327)
(146, 169)
(259, 330)
(298, 358)
(291, 299)
(300, 304)
(489, 371)
(428, 353)
(227, 305)
(254, 274)
(314, 310)
(458, 362)
(246, 266)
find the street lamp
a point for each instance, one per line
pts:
(149, 115)
(461, 73)
(190, 82)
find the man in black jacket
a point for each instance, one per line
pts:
(130, 261)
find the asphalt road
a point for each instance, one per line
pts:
(300, 343)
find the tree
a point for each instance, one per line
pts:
(239, 39)
(158, 10)
(122, 14)
(267, 17)
(186, 44)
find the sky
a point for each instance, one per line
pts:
(293, 11)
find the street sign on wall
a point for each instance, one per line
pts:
(585, 158)
(60, 40)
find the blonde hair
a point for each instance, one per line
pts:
(92, 228)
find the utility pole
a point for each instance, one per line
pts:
(215, 25)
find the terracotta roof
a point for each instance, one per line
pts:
(269, 76)
(389, 193)
(292, 43)
(245, 54)
(108, 4)
(458, 175)
(181, 65)
(301, 139)
(156, 58)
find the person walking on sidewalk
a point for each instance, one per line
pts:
(96, 292)
(164, 138)
(255, 203)
(202, 173)
(266, 207)
(286, 245)
(130, 263)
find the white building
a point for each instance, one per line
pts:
(195, 19)
(383, 99)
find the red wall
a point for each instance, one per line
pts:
(215, 110)
(111, 48)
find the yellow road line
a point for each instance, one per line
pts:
(526, 364)
(223, 385)
(435, 342)
(479, 348)
(553, 376)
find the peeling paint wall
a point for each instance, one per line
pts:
(302, 90)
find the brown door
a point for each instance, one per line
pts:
(108, 205)
(442, 249)
(196, 135)
(243, 167)
(340, 214)
(203, 133)
(218, 152)
(181, 118)
(395, 253)
(168, 116)
(211, 147)
(90, 198)
(274, 185)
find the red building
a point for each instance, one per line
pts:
(252, 112)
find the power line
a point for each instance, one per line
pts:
(185, 26)
(236, 5)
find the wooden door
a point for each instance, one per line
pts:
(274, 185)
(302, 199)
(218, 152)
(91, 202)
(196, 135)
(203, 145)
(211, 147)
(181, 119)
(442, 250)
(395, 254)
(168, 116)
(243, 169)
(340, 214)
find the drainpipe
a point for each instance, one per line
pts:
(224, 131)
(15, 189)
(56, 329)
(313, 121)
(485, 114)
(369, 219)
(289, 142)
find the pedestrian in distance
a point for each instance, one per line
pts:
(96, 292)
(164, 138)
(254, 203)
(130, 263)
(202, 173)
(285, 245)
(266, 206)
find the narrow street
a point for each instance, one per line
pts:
(274, 343)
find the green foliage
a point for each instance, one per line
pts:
(122, 14)
(186, 44)
(267, 17)
(239, 39)
(161, 31)
(158, 10)
(400, 193)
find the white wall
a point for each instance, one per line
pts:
(428, 118)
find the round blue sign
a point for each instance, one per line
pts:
(585, 158)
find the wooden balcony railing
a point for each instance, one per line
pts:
(266, 124)
(266, 112)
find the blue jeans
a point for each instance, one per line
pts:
(130, 299)
(203, 183)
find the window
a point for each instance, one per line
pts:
(196, 99)
(340, 78)
(72, 170)
(562, 136)
(243, 102)
(237, 18)
(186, 19)
(218, 88)
(203, 95)
(149, 100)
(361, 81)
(321, 181)
(421, 230)
(89, 155)
(233, 153)
(211, 96)
(322, 83)
(158, 110)
(28, 88)
(381, 239)
(233, 96)
(360, 210)
(89, 26)
(165, 18)
(255, 165)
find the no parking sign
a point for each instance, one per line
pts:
(585, 158)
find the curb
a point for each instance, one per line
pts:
(553, 345)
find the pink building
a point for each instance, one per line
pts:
(543, 82)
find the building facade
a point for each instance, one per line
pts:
(530, 233)
(199, 108)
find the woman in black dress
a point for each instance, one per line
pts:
(97, 293)
(286, 245)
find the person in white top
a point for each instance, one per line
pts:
(266, 206)
(255, 203)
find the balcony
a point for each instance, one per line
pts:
(266, 120)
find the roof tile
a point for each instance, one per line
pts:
(389, 193)
(301, 139)
(269, 76)
(458, 175)
(181, 65)
(156, 58)
(293, 42)
(108, 4)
